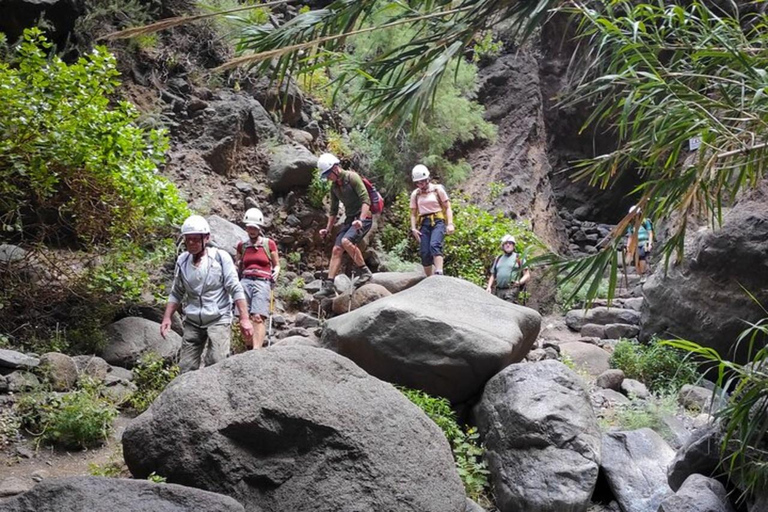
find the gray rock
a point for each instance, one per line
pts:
(616, 331)
(3, 384)
(473, 507)
(675, 432)
(698, 398)
(313, 286)
(701, 454)
(698, 494)
(635, 465)
(448, 347)
(119, 391)
(760, 503)
(92, 493)
(306, 321)
(226, 235)
(342, 284)
(59, 370)
(278, 320)
(298, 341)
(92, 366)
(537, 354)
(541, 436)
(120, 373)
(17, 360)
(12, 253)
(608, 398)
(299, 136)
(20, 381)
(576, 318)
(635, 303)
(703, 298)
(292, 166)
(299, 429)
(368, 293)
(593, 330)
(634, 388)
(12, 486)
(397, 281)
(131, 337)
(587, 357)
(610, 379)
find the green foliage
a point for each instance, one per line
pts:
(10, 427)
(69, 164)
(467, 450)
(291, 294)
(299, 282)
(649, 413)
(78, 419)
(486, 48)
(495, 189)
(158, 479)
(114, 467)
(230, 25)
(294, 258)
(568, 295)
(151, 375)
(318, 190)
(661, 367)
(744, 418)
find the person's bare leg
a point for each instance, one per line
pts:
(259, 331)
(438, 264)
(428, 270)
(333, 268)
(353, 251)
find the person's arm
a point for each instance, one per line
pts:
(525, 278)
(328, 226)
(445, 203)
(334, 212)
(492, 278)
(489, 288)
(414, 230)
(275, 260)
(174, 300)
(362, 194)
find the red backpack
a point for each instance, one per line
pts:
(377, 202)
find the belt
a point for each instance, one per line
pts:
(432, 217)
(254, 278)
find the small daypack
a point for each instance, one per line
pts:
(377, 201)
(244, 247)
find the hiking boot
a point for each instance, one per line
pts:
(326, 290)
(363, 275)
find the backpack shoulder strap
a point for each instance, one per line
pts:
(495, 265)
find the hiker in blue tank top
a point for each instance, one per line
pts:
(509, 272)
(644, 241)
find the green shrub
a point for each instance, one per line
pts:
(467, 451)
(318, 190)
(158, 479)
(649, 413)
(662, 368)
(291, 294)
(565, 290)
(151, 375)
(114, 467)
(78, 419)
(470, 251)
(71, 166)
(10, 427)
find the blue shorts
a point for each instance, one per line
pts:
(257, 296)
(353, 234)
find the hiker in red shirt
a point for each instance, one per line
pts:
(259, 265)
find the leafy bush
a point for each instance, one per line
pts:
(113, 468)
(71, 166)
(567, 300)
(158, 479)
(78, 419)
(151, 375)
(318, 190)
(470, 251)
(467, 451)
(291, 294)
(661, 367)
(639, 414)
(10, 426)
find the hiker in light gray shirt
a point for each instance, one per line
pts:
(206, 282)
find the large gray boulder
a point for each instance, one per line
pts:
(703, 298)
(292, 166)
(700, 455)
(59, 370)
(542, 438)
(299, 429)
(698, 494)
(587, 357)
(131, 337)
(575, 319)
(635, 465)
(226, 235)
(13, 360)
(93, 494)
(444, 336)
(397, 281)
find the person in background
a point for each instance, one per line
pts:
(347, 187)
(431, 219)
(258, 264)
(205, 281)
(509, 272)
(644, 241)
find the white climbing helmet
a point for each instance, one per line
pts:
(420, 172)
(195, 225)
(634, 208)
(507, 238)
(253, 218)
(326, 162)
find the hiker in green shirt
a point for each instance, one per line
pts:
(642, 250)
(348, 188)
(509, 273)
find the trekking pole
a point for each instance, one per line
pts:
(271, 312)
